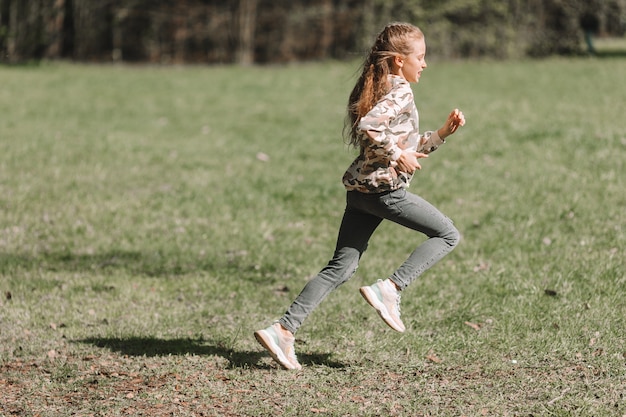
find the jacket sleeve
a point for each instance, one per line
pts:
(429, 142)
(377, 124)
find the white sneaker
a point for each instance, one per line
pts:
(279, 346)
(385, 298)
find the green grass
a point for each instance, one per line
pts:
(152, 218)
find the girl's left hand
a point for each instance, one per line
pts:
(455, 119)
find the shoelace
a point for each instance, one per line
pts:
(290, 350)
(398, 303)
(291, 353)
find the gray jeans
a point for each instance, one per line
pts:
(364, 212)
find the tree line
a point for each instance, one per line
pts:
(278, 31)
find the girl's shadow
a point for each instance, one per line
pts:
(150, 346)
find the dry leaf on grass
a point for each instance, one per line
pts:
(483, 266)
(473, 325)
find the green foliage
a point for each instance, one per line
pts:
(152, 218)
(278, 31)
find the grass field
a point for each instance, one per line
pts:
(152, 218)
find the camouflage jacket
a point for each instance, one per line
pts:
(391, 126)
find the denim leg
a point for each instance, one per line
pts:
(417, 214)
(363, 214)
(412, 211)
(355, 231)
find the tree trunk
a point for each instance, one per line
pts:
(247, 26)
(5, 6)
(54, 17)
(12, 32)
(327, 29)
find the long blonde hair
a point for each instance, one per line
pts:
(394, 40)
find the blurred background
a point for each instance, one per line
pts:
(279, 31)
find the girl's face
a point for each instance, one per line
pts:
(410, 67)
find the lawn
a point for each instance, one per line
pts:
(151, 218)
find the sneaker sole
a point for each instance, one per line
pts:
(381, 309)
(273, 349)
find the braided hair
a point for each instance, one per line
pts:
(394, 40)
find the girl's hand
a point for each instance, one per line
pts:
(408, 161)
(455, 119)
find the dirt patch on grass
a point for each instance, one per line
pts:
(208, 386)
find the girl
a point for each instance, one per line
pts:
(383, 123)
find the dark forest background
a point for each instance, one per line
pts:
(278, 31)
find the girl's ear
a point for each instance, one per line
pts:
(398, 61)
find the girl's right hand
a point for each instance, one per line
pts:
(455, 119)
(408, 161)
